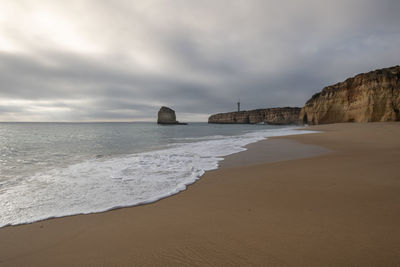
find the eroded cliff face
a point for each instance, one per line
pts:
(367, 97)
(287, 115)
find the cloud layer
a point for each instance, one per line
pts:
(122, 60)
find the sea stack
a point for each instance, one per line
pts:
(167, 116)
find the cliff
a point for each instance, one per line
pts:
(367, 97)
(287, 115)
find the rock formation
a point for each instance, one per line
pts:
(167, 116)
(279, 116)
(367, 97)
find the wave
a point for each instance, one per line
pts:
(102, 184)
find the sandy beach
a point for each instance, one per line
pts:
(323, 199)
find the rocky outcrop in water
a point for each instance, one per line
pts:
(278, 116)
(167, 116)
(367, 97)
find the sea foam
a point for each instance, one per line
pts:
(106, 183)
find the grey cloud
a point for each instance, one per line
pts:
(264, 53)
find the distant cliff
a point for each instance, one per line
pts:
(287, 115)
(367, 97)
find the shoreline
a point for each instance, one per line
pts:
(232, 159)
(336, 208)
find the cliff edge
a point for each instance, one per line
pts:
(367, 97)
(278, 116)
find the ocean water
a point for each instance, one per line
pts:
(59, 169)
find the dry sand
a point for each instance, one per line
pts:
(340, 208)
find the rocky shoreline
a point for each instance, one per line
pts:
(366, 97)
(276, 116)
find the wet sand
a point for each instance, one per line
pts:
(340, 208)
(272, 150)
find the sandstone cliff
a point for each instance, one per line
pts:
(287, 115)
(367, 97)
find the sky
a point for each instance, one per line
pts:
(122, 60)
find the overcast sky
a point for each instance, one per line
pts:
(121, 60)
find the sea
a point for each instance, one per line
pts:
(58, 169)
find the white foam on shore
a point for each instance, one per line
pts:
(98, 185)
